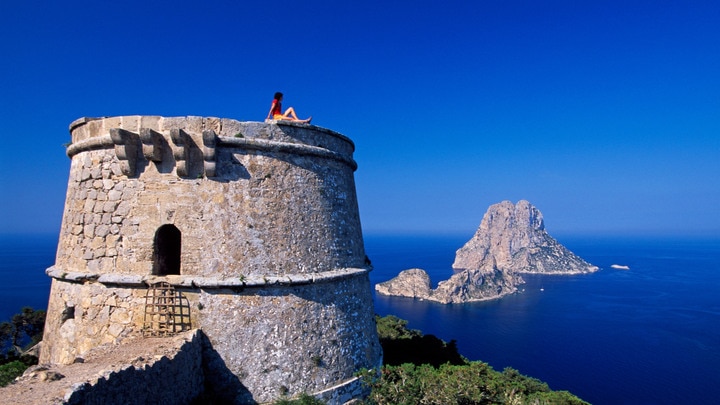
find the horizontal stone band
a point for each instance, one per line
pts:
(286, 147)
(201, 281)
(106, 141)
(100, 142)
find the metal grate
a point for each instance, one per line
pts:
(167, 311)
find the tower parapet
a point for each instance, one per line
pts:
(255, 225)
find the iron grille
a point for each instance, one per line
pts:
(167, 311)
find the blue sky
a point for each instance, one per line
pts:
(603, 114)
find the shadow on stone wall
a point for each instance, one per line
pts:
(168, 380)
(194, 375)
(221, 385)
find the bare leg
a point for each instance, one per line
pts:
(290, 114)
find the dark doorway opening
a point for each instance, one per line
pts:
(166, 255)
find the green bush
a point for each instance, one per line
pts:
(9, 371)
(391, 327)
(472, 383)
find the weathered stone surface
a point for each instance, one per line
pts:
(464, 286)
(511, 240)
(272, 261)
(476, 285)
(281, 199)
(413, 283)
(140, 371)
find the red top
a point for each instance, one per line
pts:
(277, 107)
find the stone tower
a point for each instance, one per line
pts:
(255, 229)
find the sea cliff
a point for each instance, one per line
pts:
(510, 241)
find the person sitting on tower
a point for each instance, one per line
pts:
(289, 114)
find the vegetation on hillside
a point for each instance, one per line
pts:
(402, 345)
(422, 369)
(22, 332)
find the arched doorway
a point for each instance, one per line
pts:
(166, 251)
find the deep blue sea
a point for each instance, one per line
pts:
(648, 335)
(23, 283)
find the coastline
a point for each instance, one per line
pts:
(591, 325)
(594, 326)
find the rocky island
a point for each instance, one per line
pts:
(510, 241)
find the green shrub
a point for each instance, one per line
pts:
(472, 383)
(9, 371)
(391, 327)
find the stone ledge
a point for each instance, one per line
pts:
(161, 124)
(203, 282)
(296, 148)
(100, 142)
(105, 141)
(315, 128)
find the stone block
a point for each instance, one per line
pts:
(93, 128)
(101, 231)
(110, 123)
(120, 316)
(114, 195)
(89, 205)
(194, 124)
(115, 330)
(89, 231)
(170, 123)
(110, 206)
(130, 123)
(123, 208)
(230, 128)
(151, 122)
(96, 172)
(116, 169)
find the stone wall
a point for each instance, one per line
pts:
(172, 370)
(271, 257)
(326, 335)
(84, 315)
(278, 340)
(273, 206)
